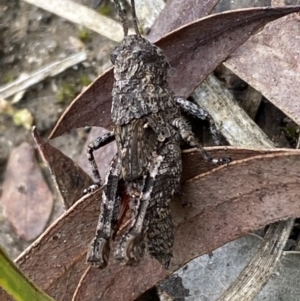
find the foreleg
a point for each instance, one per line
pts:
(99, 249)
(188, 136)
(200, 113)
(94, 145)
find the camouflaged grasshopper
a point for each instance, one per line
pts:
(145, 173)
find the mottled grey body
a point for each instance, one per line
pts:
(148, 127)
(143, 110)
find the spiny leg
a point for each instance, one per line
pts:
(131, 246)
(94, 145)
(200, 113)
(188, 136)
(99, 249)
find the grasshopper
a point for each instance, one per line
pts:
(145, 173)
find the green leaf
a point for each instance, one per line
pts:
(16, 284)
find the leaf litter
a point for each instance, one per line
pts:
(265, 157)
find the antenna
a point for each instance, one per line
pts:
(134, 19)
(122, 17)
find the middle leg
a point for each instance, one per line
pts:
(188, 136)
(94, 145)
(200, 113)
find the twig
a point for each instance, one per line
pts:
(82, 15)
(232, 121)
(257, 273)
(50, 70)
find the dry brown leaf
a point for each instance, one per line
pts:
(26, 200)
(269, 62)
(69, 178)
(195, 165)
(177, 13)
(225, 204)
(193, 51)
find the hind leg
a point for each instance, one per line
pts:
(131, 246)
